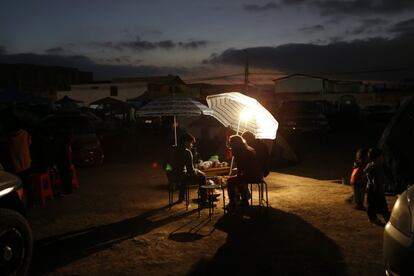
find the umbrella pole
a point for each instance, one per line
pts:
(175, 131)
(238, 127)
(231, 165)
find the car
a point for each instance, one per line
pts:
(16, 239)
(302, 116)
(397, 143)
(86, 145)
(399, 236)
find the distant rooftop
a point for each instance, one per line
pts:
(169, 79)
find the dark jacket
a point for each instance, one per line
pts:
(182, 162)
(248, 167)
(376, 179)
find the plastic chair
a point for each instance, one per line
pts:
(172, 185)
(42, 186)
(262, 187)
(75, 181)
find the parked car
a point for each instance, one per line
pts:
(303, 116)
(16, 240)
(397, 142)
(86, 145)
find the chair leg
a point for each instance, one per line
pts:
(187, 197)
(260, 194)
(199, 201)
(224, 198)
(267, 196)
(251, 194)
(170, 195)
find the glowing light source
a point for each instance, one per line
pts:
(246, 114)
(6, 191)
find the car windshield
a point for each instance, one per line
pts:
(80, 125)
(300, 108)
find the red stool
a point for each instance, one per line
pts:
(75, 181)
(42, 186)
(56, 182)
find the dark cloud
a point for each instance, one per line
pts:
(259, 8)
(375, 54)
(406, 26)
(166, 44)
(139, 45)
(293, 2)
(312, 29)
(2, 50)
(101, 71)
(55, 51)
(193, 44)
(108, 45)
(368, 26)
(143, 45)
(333, 7)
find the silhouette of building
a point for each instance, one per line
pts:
(39, 80)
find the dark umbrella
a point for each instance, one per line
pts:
(173, 106)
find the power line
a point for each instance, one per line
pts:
(217, 77)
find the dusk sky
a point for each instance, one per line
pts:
(199, 39)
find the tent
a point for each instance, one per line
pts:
(111, 106)
(68, 103)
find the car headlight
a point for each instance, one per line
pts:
(401, 215)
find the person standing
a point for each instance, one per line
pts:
(16, 157)
(248, 171)
(376, 187)
(359, 179)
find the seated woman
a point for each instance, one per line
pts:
(183, 168)
(248, 171)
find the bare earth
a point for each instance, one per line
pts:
(118, 223)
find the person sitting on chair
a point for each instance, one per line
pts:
(262, 153)
(183, 168)
(248, 171)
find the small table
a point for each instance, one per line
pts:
(216, 171)
(210, 198)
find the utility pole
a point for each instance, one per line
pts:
(246, 73)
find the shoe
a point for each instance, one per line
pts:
(244, 203)
(230, 208)
(204, 204)
(376, 221)
(215, 197)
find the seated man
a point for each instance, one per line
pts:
(183, 168)
(248, 171)
(262, 153)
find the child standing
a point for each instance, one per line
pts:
(358, 178)
(376, 187)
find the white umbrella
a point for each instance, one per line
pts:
(173, 106)
(242, 113)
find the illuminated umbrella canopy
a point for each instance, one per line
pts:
(242, 113)
(173, 106)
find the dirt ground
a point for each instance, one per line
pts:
(118, 222)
